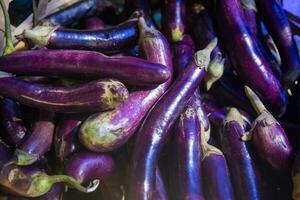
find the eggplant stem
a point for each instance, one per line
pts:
(9, 46)
(23, 158)
(234, 115)
(255, 101)
(202, 57)
(215, 71)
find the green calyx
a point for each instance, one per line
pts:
(23, 158)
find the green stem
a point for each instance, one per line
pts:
(9, 46)
(255, 101)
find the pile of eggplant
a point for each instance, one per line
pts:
(153, 100)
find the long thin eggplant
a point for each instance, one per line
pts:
(157, 124)
(250, 13)
(109, 130)
(12, 122)
(89, 166)
(76, 11)
(280, 30)
(269, 138)
(240, 163)
(91, 97)
(38, 142)
(174, 18)
(246, 57)
(85, 65)
(108, 41)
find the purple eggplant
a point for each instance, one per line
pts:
(160, 191)
(75, 12)
(157, 124)
(189, 155)
(246, 57)
(65, 138)
(109, 41)
(11, 120)
(93, 23)
(89, 166)
(102, 95)
(269, 138)
(250, 13)
(88, 65)
(240, 163)
(109, 130)
(296, 176)
(174, 26)
(38, 142)
(280, 30)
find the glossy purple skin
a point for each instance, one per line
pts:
(246, 57)
(189, 155)
(11, 121)
(272, 144)
(250, 14)
(216, 177)
(154, 48)
(89, 166)
(174, 19)
(240, 163)
(93, 23)
(40, 136)
(62, 99)
(76, 11)
(109, 41)
(280, 30)
(87, 65)
(155, 128)
(160, 191)
(65, 140)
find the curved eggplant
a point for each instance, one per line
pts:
(109, 41)
(154, 130)
(88, 65)
(11, 120)
(89, 166)
(280, 30)
(269, 138)
(93, 23)
(109, 130)
(102, 95)
(246, 57)
(240, 163)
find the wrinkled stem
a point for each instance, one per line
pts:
(23, 158)
(255, 101)
(202, 57)
(9, 46)
(215, 71)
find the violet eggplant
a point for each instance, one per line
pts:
(109, 41)
(109, 130)
(240, 163)
(246, 57)
(174, 19)
(160, 192)
(65, 138)
(269, 138)
(89, 166)
(280, 30)
(93, 23)
(250, 13)
(189, 155)
(102, 95)
(157, 124)
(89, 65)
(38, 142)
(296, 176)
(11, 121)
(75, 12)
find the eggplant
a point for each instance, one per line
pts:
(38, 142)
(246, 57)
(12, 122)
(102, 95)
(109, 130)
(174, 19)
(109, 41)
(250, 14)
(241, 166)
(189, 155)
(279, 28)
(296, 176)
(93, 23)
(269, 139)
(89, 166)
(157, 124)
(88, 65)
(75, 12)
(160, 192)
(65, 137)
